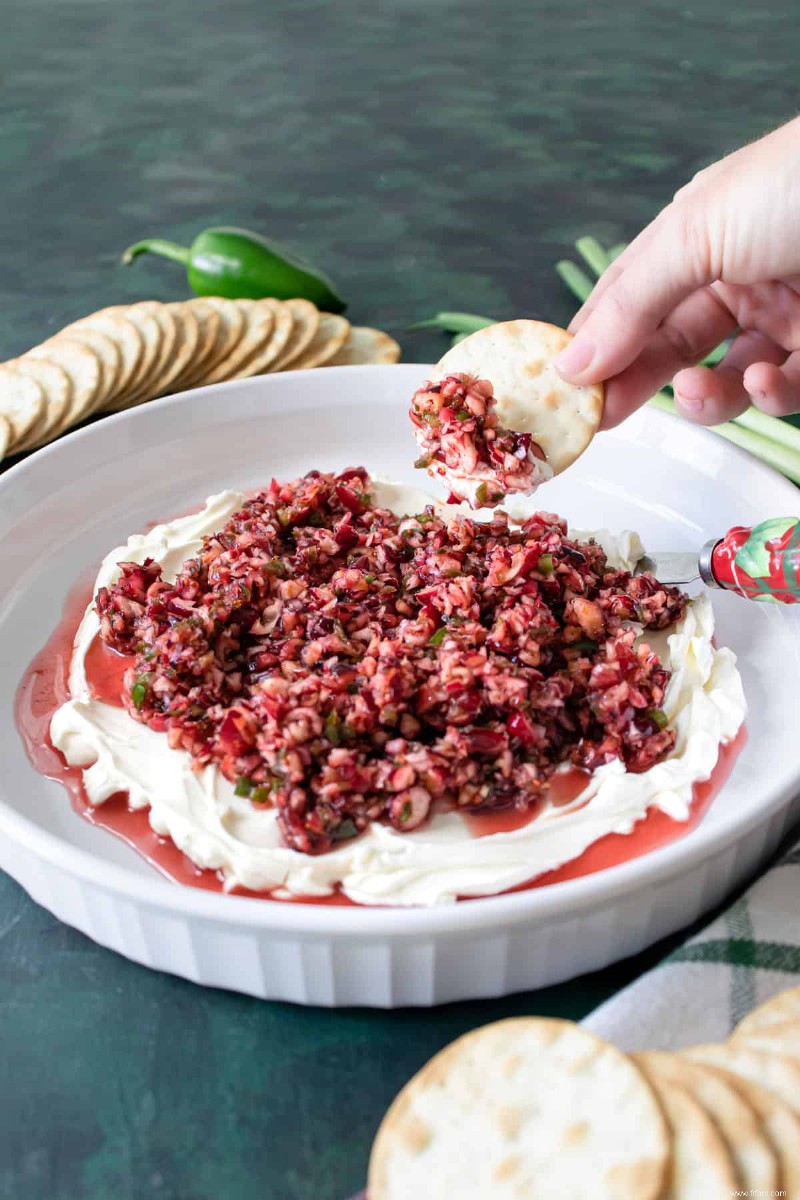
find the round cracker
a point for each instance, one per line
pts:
(230, 332)
(208, 322)
(781, 1039)
(57, 388)
(187, 336)
(149, 386)
(259, 322)
(753, 1157)
(108, 356)
(783, 1007)
(253, 330)
(524, 1107)
(778, 1122)
(84, 370)
(780, 1076)
(517, 359)
(115, 325)
(282, 329)
(22, 402)
(305, 323)
(5, 436)
(329, 338)
(365, 345)
(140, 315)
(702, 1167)
(261, 361)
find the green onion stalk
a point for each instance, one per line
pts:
(775, 442)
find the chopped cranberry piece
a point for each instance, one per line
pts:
(457, 428)
(350, 499)
(520, 727)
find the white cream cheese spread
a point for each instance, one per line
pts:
(442, 860)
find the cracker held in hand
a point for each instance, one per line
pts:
(517, 359)
(495, 418)
(523, 1108)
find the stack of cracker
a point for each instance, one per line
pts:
(541, 1109)
(128, 354)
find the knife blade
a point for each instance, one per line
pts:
(672, 566)
(758, 563)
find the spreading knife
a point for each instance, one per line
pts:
(761, 562)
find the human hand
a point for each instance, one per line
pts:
(723, 256)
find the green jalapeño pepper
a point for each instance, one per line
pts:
(243, 266)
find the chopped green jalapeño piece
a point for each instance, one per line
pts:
(658, 717)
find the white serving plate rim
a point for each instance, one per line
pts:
(657, 866)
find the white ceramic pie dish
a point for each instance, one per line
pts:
(62, 509)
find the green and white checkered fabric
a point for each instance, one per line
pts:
(700, 991)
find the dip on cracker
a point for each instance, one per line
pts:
(496, 419)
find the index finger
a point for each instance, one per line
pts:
(634, 303)
(612, 274)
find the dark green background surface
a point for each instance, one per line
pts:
(429, 155)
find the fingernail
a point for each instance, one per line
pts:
(576, 357)
(690, 403)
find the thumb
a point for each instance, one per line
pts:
(673, 262)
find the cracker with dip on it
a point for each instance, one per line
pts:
(496, 418)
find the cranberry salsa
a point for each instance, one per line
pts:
(347, 665)
(458, 430)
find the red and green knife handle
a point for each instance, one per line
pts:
(761, 563)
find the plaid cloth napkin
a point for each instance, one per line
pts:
(701, 990)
